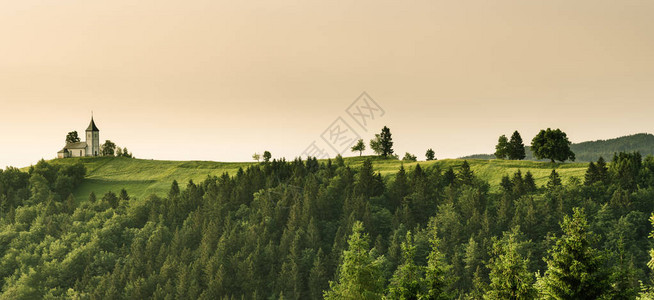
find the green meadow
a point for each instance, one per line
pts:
(141, 177)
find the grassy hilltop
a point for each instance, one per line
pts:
(142, 177)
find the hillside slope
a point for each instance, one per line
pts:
(144, 177)
(592, 150)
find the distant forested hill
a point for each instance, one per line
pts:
(592, 150)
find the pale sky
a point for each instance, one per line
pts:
(220, 80)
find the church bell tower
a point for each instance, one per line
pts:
(92, 139)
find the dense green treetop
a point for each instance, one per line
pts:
(553, 145)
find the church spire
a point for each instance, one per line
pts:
(92, 126)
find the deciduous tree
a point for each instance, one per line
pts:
(430, 155)
(553, 145)
(72, 137)
(409, 157)
(108, 148)
(502, 147)
(266, 156)
(359, 146)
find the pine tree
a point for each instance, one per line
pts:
(509, 277)
(502, 147)
(360, 274)
(516, 149)
(574, 268)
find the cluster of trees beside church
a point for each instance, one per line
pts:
(108, 148)
(309, 229)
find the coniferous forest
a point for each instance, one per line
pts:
(321, 229)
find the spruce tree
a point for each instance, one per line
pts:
(516, 149)
(360, 274)
(317, 276)
(386, 142)
(449, 177)
(509, 276)
(438, 273)
(554, 180)
(648, 291)
(406, 282)
(92, 197)
(399, 189)
(466, 176)
(530, 183)
(574, 268)
(602, 170)
(506, 184)
(592, 175)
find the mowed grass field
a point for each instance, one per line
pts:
(142, 177)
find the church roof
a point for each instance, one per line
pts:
(78, 145)
(92, 126)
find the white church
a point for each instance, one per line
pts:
(90, 147)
